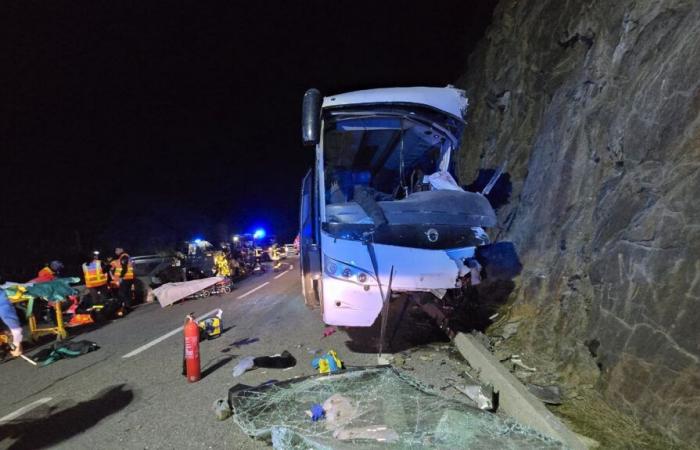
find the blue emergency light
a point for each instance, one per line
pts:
(259, 234)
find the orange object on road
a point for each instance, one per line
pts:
(192, 365)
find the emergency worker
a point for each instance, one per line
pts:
(221, 265)
(275, 257)
(49, 272)
(122, 272)
(9, 317)
(96, 277)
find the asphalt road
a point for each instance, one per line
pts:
(106, 400)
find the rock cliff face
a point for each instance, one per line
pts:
(595, 107)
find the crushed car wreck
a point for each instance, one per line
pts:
(382, 199)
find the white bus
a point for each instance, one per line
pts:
(381, 212)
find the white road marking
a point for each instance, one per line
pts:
(283, 273)
(24, 409)
(253, 290)
(165, 336)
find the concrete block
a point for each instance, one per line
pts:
(514, 398)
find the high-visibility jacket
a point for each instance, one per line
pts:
(45, 274)
(116, 268)
(94, 275)
(221, 265)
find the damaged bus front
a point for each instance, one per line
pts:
(381, 211)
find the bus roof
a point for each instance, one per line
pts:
(448, 99)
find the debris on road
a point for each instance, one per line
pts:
(61, 350)
(483, 396)
(244, 364)
(316, 412)
(222, 410)
(328, 331)
(210, 328)
(367, 406)
(328, 363)
(282, 361)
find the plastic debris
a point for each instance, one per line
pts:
(370, 407)
(482, 396)
(329, 331)
(328, 363)
(317, 413)
(244, 364)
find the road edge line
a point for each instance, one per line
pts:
(280, 275)
(24, 409)
(252, 290)
(158, 340)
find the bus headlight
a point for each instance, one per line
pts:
(347, 272)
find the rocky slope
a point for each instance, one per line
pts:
(595, 107)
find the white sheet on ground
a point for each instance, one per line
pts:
(169, 293)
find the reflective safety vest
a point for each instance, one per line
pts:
(94, 276)
(221, 264)
(116, 269)
(46, 274)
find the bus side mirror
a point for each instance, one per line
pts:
(311, 117)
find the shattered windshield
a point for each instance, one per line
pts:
(372, 408)
(390, 173)
(385, 155)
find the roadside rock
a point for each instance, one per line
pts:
(509, 330)
(595, 107)
(548, 394)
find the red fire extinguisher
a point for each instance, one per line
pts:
(192, 366)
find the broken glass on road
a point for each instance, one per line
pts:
(376, 407)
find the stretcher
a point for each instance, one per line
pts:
(35, 331)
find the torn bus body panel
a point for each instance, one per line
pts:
(386, 179)
(351, 291)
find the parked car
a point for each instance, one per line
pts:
(153, 270)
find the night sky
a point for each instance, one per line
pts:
(145, 123)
